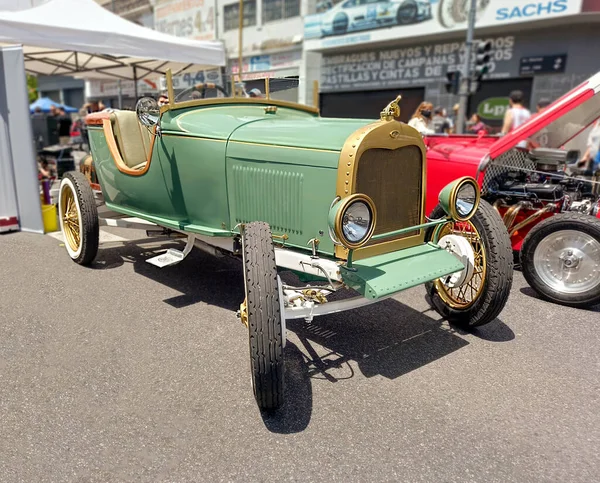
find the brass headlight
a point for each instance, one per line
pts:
(352, 220)
(460, 199)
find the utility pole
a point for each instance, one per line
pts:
(465, 86)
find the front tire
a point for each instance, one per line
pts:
(481, 297)
(78, 218)
(560, 259)
(264, 317)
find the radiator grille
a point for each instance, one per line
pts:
(392, 178)
(255, 192)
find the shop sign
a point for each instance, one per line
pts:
(335, 23)
(103, 89)
(493, 108)
(265, 63)
(189, 79)
(409, 66)
(543, 64)
(192, 19)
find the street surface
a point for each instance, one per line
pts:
(125, 372)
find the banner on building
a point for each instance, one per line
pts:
(258, 64)
(416, 65)
(336, 23)
(192, 19)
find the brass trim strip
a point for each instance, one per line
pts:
(201, 138)
(285, 147)
(238, 100)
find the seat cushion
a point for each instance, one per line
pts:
(133, 139)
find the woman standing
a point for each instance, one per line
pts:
(421, 119)
(516, 115)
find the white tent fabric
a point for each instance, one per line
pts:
(79, 38)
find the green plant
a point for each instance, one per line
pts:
(32, 87)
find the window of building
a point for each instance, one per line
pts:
(280, 9)
(231, 15)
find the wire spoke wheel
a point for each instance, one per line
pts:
(465, 295)
(71, 222)
(78, 217)
(482, 289)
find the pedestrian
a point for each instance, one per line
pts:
(452, 119)
(516, 115)
(163, 99)
(475, 124)
(64, 127)
(53, 111)
(440, 122)
(542, 105)
(255, 93)
(421, 119)
(590, 161)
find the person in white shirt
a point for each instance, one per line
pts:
(515, 115)
(421, 119)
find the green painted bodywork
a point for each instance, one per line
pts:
(384, 275)
(216, 166)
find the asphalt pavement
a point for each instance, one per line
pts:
(127, 372)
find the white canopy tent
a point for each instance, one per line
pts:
(79, 38)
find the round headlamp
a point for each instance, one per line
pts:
(353, 220)
(460, 199)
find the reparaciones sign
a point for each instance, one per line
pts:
(193, 19)
(336, 23)
(409, 66)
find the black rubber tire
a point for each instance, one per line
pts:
(499, 271)
(340, 24)
(562, 221)
(264, 316)
(403, 19)
(90, 233)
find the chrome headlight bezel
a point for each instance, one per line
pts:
(449, 198)
(338, 212)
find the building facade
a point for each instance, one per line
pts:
(368, 53)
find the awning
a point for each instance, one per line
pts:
(79, 38)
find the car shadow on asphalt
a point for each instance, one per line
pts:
(199, 278)
(529, 292)
(388, 339)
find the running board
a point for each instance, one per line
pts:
(173, 256)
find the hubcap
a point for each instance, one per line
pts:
(464, 294)
(70, 218)
(568, 261)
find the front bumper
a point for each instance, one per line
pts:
(383, 275)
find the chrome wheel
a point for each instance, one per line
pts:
(568, 261)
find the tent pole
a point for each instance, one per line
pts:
(135, 86)
(120, 94)
(240, 41)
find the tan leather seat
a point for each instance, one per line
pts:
(133, 139)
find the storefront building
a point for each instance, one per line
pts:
(541, 48)
(272, 43)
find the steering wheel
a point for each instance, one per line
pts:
(200, 88)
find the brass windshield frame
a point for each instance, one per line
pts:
(173, 106)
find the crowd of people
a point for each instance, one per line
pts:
(429, 120)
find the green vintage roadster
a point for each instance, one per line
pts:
(338, 202)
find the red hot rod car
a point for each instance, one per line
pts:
(548, 197)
